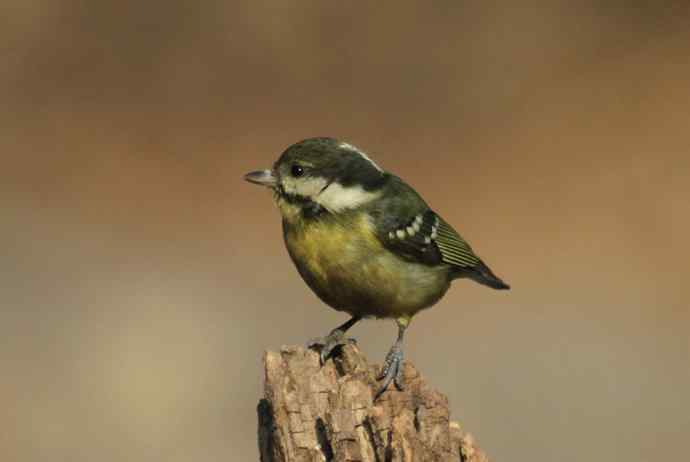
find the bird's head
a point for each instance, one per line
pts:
(320, 175)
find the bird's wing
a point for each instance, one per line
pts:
(425, 237)
(455, 250)
(408, 227)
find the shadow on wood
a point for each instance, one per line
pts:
(313, 413)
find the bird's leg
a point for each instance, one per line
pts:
(336, 338)
(392, 367)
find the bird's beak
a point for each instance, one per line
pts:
(262, 177)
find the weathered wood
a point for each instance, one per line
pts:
(312, 413)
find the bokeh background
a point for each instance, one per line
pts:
(141, 279)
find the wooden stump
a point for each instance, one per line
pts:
(314, 413)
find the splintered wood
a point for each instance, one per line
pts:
(312, 413)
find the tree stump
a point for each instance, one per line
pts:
(325, 413)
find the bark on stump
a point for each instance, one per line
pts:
(314, 413)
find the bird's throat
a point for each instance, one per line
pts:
(296, 209)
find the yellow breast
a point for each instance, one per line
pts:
(346, 265)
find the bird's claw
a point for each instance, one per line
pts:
(392, 370)
(328, 344)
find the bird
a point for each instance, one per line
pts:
(365, 242)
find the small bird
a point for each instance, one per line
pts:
(364, 241)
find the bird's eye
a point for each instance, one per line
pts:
(297, 171)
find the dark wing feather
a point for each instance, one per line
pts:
(427, 238)
(411, 239)
(403, 208)
(408, 227)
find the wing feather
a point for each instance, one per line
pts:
(408, 227)
(427, 238)
(454, 249)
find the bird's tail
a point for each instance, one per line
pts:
(482, 274)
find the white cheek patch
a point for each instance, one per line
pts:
(349, 147)
(305, 187)
(336, 198)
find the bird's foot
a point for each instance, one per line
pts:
(328, 344)
(392, 370)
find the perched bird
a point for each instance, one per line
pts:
(364, 241)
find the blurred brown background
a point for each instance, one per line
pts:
(141, 278)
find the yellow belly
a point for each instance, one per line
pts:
(346, 265)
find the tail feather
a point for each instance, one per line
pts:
(482, 274)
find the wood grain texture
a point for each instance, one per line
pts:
(311, 413)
